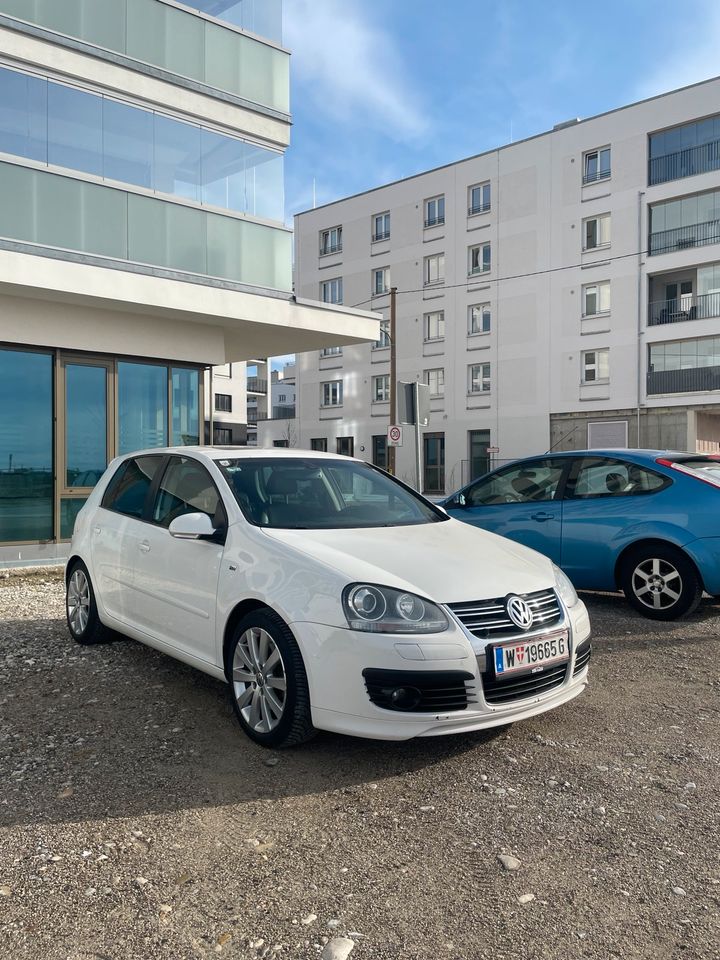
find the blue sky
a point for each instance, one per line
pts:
(382, 89)
(386, 88)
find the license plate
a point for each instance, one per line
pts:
(531, 655)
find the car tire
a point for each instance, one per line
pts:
(661, 582)
(268, 683)
(81, 611)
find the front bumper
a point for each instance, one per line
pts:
(335, 659)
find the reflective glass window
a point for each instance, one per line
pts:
(74, 129)
(178, 149)
(70, 507)
(142, 406)
(85, 424)
(26, 446)
(223, 171)
(185, 407)
(127, 143)
(185, 488)
(263, 17)
(23, 115)
(127, 491)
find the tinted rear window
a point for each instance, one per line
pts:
(128, 489)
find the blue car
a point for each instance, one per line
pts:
(646, 521)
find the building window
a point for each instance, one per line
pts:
(380, 281)
(595, 366)
(281, 443)
(384, 340)
(690, 222)
(379, 451)
(596, 298)
(223, 402)
(478, 259)
(684, 366)
(596, 232)
(345, 446)
(434, 269)
(331, 352)
(331, 393)
(434, 211)
(435, 379)
(331, 291)
(596, 165)
(381, 227)
(479, 378)
(685, 151)
(222, 436)
(330, 241)
(479, 198)
(319, 444)
(282, 397)
(479, 318)
(435, 325)
(381, 388)
(434, 462)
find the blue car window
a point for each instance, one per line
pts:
(601, 477)
(529, 481)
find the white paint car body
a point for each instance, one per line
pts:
(179, 595)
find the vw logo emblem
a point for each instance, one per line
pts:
(519, 612)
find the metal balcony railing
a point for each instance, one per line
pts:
(596, 176)
(435, 221)
(286, 412)
(256, 385)
(685, 163)
(478, 208)
(684, 308)
(329, 248)
(692, 380)
(694, 235)
(383, 235)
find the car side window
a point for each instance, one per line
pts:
(600, 477)
(537, 480)
(127, 491)
(187, 487)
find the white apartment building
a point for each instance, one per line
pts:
(559, 292)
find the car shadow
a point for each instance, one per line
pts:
(121, 730)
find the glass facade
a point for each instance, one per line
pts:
(684, 366)
(176, 40)
(57, 211)
(263, 17)
(142, 406)
(56, 124)
(85, 424)
(684, 151)
(26, 446)
(688, 222)
(185, 407)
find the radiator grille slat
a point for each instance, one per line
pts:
(489, 618)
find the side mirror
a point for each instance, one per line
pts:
(192, 526)
(457, 501)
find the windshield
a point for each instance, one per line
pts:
(299, 494)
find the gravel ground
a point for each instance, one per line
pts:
(136, 821)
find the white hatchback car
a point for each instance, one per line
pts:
(326, 593)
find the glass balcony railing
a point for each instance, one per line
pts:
(263, 17)
(702, 158)
(173, 39)
(256, 385)
(680, 238)
(684, 308)
(68, 214)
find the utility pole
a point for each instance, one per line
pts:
(393, 375)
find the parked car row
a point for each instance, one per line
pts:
(329, 595)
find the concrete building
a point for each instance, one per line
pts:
(141, 236)
(562, 291)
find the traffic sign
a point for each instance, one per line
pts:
(395, 436)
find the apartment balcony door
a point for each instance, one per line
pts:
(478, 443)
(434, 460)
(679, 296)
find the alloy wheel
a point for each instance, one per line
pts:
(657, 583)
(78, 602)
(259, 680)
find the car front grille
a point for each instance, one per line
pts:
(522, 686)
(582, 657)
(488, 619)
(426, 691)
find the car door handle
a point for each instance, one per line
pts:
(541, 517)
(144, 546)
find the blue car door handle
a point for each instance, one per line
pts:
(541, 517)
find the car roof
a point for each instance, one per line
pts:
(235, 453)
(614, 452)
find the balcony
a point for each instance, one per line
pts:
(256, 385)
(684, 163)
(328, 248)
(435, 221)
(694, 235)
(382, 235)
(690, 380)
(478, 208)
(683, 308)
(595, 176)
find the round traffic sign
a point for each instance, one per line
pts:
(395, 433)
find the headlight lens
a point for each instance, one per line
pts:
(385, 610)
(567, 591)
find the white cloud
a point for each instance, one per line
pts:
(693, 55)
(350, 69)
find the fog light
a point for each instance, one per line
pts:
(405, 698)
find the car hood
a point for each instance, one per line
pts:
(448, 562)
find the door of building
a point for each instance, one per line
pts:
(434, 460)
(478, 443)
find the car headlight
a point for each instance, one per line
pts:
(567, 591)
(385, 610)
